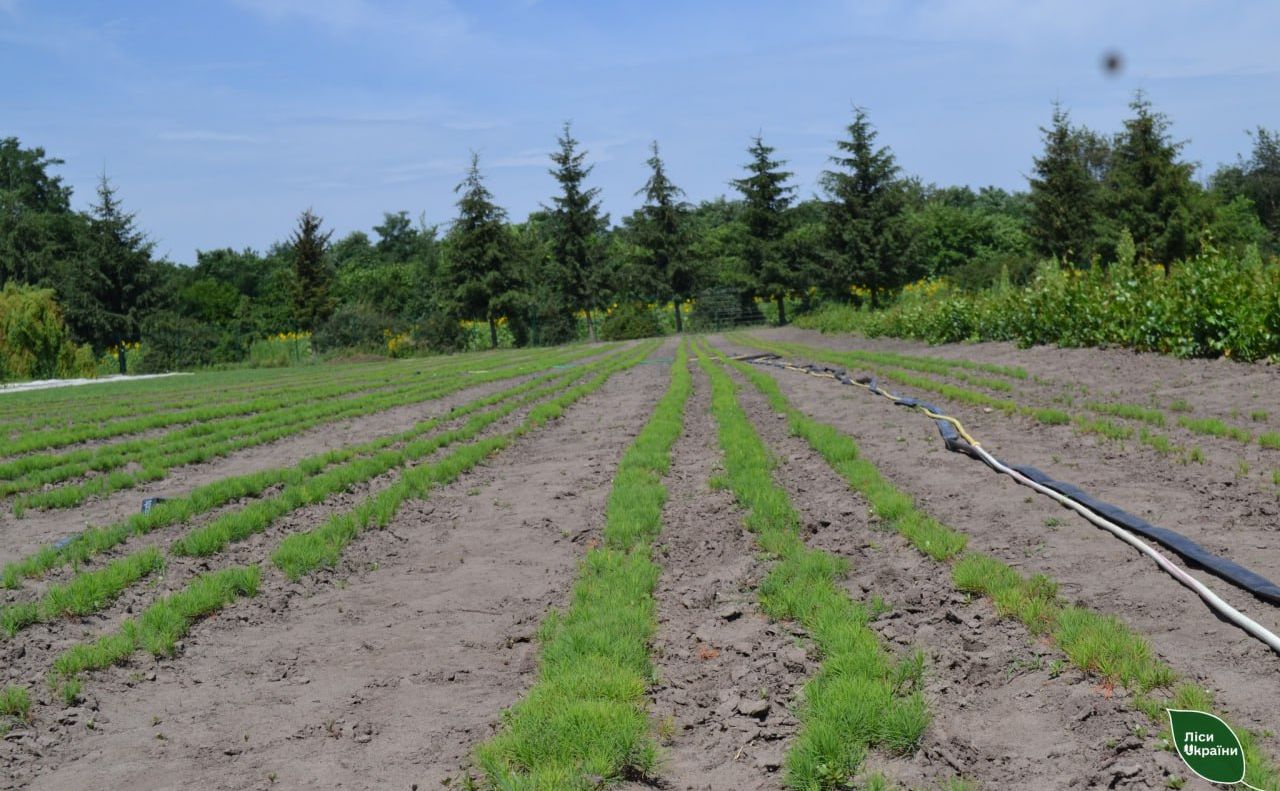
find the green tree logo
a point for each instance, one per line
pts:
(1208, 746)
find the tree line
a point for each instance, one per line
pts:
(1091, 199)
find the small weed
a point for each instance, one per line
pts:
(1259, 416)
(1180, 405)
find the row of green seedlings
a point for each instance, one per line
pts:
(585, 718)
(215, 407)
(95, 540)
(69, 407)
(91, 591)
(301, 553)
(956, 369)
(1096, 643)
(1109, 429)
(156, 459)
(862, 696)
(1213, 427)
(1048, 416)
(280, 409)
(168, 620)
(225, 404)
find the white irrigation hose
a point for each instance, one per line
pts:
(1212, 599)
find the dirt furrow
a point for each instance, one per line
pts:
(727, 675)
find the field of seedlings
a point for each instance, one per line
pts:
(652, 564)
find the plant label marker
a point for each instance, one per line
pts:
(1208, 746)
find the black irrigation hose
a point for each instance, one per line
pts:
(957, 441)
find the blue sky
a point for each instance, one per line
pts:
(220, 120)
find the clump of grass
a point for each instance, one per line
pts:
(1269, 440)
(15, 701)
(1104, 427)
(1259, 416)
(861, 696)
(1215, 428)
(1179, 405)
(1158, 442)
(586, 715)
(1147, 415)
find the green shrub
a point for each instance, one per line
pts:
(630, 321)
(34, 340)
(1209, 306)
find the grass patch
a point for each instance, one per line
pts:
(861, 696)
(586, 716)
(1152, 417)
(1269, 440)
(1103, 427)
(15, 701)
(1215, 428)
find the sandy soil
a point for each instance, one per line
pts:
(425, 634)
(1035, 535)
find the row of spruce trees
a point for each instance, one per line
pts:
(870, 230)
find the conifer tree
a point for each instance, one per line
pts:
(576, 226)
(867, 243)
(118, 269)
(308, 246)
(662, 235)
(1149, 189)
(766, 197)
(1064, 194)
(479, 252)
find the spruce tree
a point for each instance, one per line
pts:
(118, 269)
(576, 226)
(1149, 190)
(662, 235)
(479, 251)
(766, 197)
(867, 200)
(1064, 193)
(308, 246)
